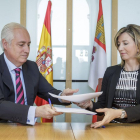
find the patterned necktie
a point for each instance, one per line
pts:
(19, 88)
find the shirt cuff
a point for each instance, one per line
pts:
(60, 95)
(31, 115)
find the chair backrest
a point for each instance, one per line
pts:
(99, 118)
(100, 83)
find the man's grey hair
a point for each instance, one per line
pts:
(7, 32)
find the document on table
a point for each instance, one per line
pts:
(78, 98)
(74, 110)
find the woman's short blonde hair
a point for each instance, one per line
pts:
(134, 32)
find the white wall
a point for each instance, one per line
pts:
(9, 12)
(128, 13)
(31, 24)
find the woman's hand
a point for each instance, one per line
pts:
(85, 104)
(110, 114)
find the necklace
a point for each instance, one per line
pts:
(133, 70)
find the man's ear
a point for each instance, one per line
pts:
(5, 44)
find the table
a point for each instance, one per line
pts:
(110, 132)
(68, 131)
(41, 131)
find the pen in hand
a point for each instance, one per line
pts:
(51, 107)
(50, 103)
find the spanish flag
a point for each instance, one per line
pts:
(44, 56)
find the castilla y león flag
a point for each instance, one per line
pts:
(44, 56)
(98, 60)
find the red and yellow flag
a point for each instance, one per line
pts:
(98, 60)
(44, 56)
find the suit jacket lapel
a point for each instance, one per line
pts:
(113, 84)
(6, 78)
(28, 84)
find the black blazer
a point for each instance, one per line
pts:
(35, 85)
(109, 83)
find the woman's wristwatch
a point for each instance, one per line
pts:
(123, 114)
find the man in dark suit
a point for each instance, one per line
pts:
(21, 81)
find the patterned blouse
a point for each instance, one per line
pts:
(125, 94)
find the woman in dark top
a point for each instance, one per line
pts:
(120, 100)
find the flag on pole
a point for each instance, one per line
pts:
(98, 60)
(44, 56)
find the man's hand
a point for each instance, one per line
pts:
(45, 111)
(110, 114)
(67, 92)
(85, 104)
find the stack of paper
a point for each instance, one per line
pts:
(75, 110)
(78, 99)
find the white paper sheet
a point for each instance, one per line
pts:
(75, 110)
(78, 98)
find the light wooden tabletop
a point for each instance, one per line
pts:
(68, 131)
(41, 131)
(110, 132)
